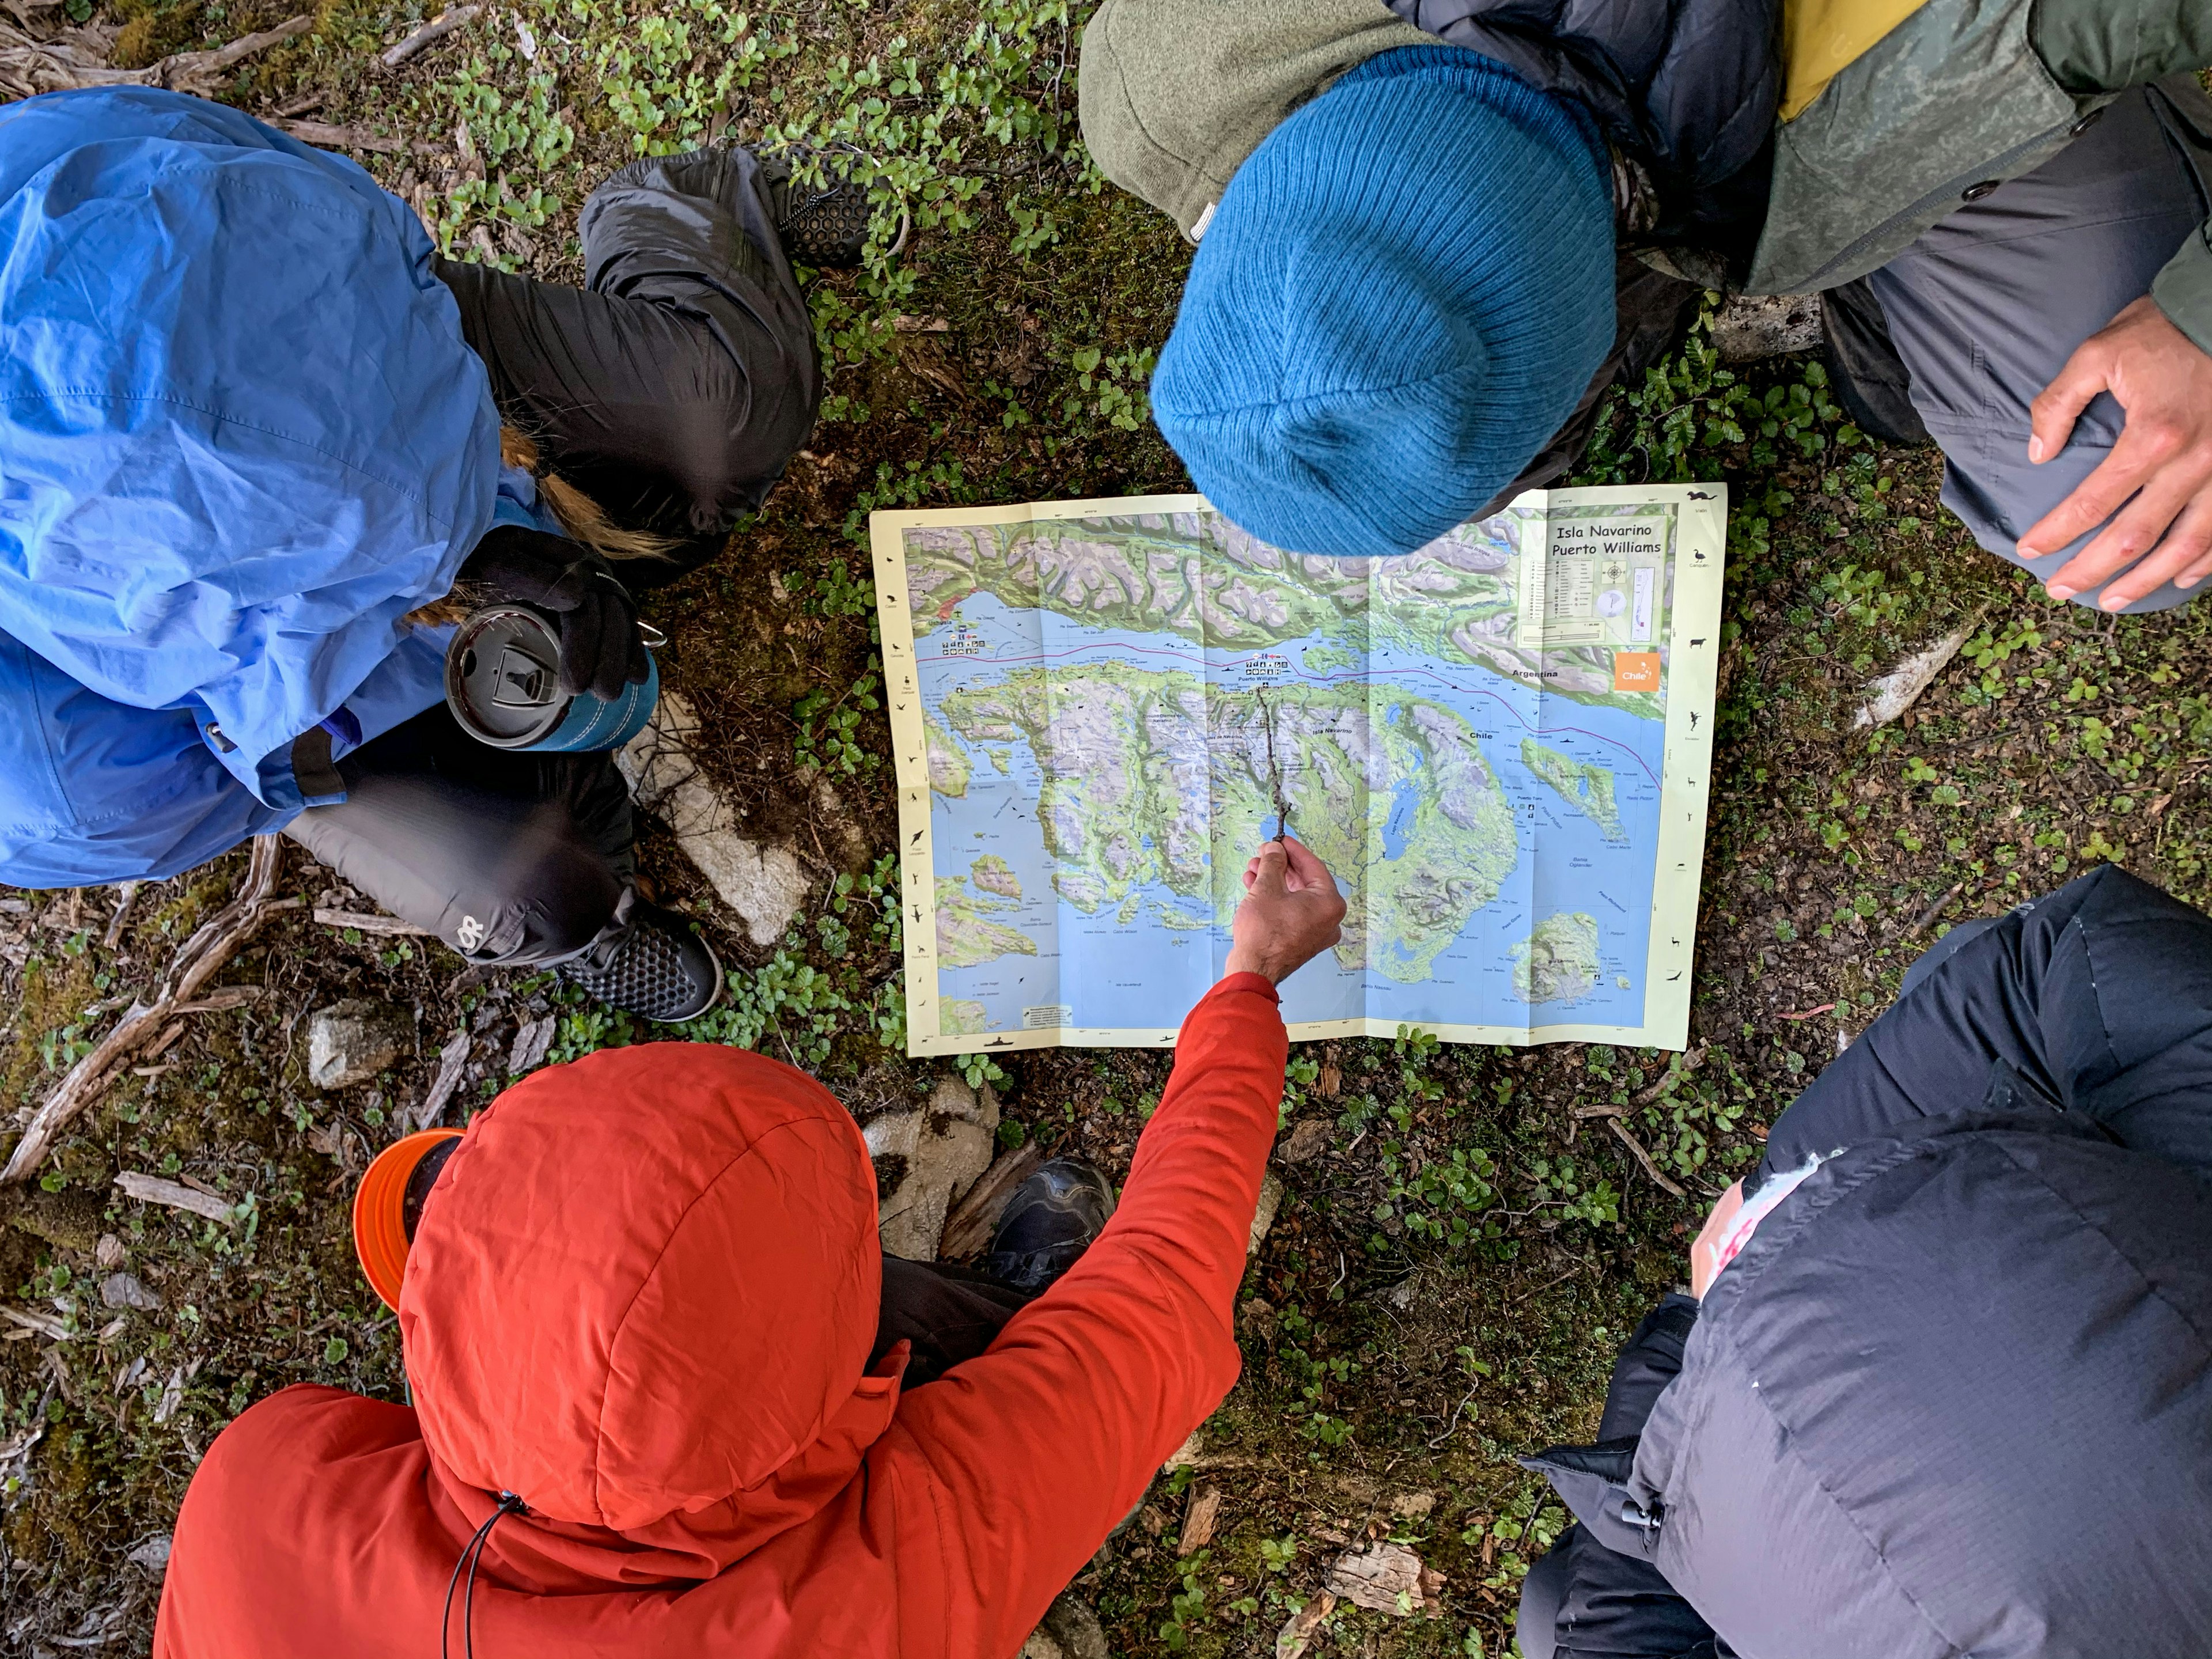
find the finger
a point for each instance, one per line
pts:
(2133, 532)
(2095, 499)
(1268, 870)
(580, 649)
(2058, 405)
(2197, 523)
(641, 663)
(2187, 548)
(617, 632)
(1306, 869)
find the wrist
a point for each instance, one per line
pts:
(1243, 959)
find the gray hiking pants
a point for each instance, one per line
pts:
(1986, 306)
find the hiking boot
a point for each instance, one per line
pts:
(825, 225)
(1048, 1222)
(656, 966)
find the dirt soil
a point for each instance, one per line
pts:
(1459, 1252)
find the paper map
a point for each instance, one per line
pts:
(1500, 745)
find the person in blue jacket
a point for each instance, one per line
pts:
(254, 433)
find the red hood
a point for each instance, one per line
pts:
(642, 1298)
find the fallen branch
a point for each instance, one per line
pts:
(1644, 1158)
(41, 1324)
(76, 58)
(152, 1189)
(325, 135)
(199, 960)
(129, 894)
(436, 29)
(187, 71)
(1688, 1063)
(366, 921)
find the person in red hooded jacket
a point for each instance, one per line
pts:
(657, 1372)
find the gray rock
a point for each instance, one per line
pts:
(1070, 1631)
(925, 1159)
(125, 1291)
(351, 1042)
(1271, 1200)
(762, 882)
(153, 1555)
(1755, 325)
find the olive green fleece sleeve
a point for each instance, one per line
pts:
(2107, 46)
(2184, 289)
(1175, 93)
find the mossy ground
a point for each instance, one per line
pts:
(1454, 1268)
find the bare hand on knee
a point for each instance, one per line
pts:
(2163, 460)
(1291, 912)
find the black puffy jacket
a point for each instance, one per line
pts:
(1956, 1395)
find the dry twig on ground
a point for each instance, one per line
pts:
(1650, 1168)
(202, 956)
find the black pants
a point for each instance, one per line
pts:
(2096, 996)
(677, 384)
(948, 1313)
(674, 387)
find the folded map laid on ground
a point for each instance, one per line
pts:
(1498, 743)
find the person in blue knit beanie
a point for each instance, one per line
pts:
(1405, 210)
(1399, 297)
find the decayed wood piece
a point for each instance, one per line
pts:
(199, 960)
(436, 29)
(325, 135)
(74, 58)
(366, 921)
(1199, 1520)
(968, 1230)
(153, 1190)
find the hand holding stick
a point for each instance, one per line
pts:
(1291, 912)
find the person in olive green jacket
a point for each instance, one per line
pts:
(1428, 241)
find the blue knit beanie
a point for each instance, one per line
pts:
(1400, 298)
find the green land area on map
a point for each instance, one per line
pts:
(1148, 779)
(1559, 960)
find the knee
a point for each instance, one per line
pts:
(546, 896)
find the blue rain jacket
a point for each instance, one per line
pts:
(241, 436)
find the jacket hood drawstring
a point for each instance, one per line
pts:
(472, 1553)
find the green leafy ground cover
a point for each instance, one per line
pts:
(1459, 1253)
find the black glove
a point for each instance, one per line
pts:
(601, 651)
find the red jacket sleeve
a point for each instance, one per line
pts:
(1024, 1459)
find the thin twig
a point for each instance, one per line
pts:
(1642, 1156)
(202, 956)
(436, 29)
(128, 896)
(1925, 917)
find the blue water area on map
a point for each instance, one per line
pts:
(1405, 800)
(1142, 963)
